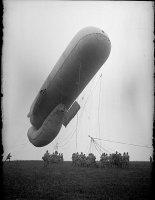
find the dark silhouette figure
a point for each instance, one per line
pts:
(151, 159)
(8, 157)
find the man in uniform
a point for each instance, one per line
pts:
(46, 158)
(151, 159)
(8, 157)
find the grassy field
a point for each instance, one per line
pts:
(30, 180)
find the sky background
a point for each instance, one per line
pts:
(35, 35)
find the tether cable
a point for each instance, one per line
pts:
(90, 146)
(89, 96)
(79, 80)
(71, 135)
(102, 148)
(99, 106)
(97, 149)
(146, 146)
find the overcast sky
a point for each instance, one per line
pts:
(35, 35)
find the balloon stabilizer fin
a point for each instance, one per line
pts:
(75, 107)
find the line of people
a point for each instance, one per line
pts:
(111, 160)
(55, 157)
(81, 160)
(114, 160)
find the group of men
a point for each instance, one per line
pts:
(55, 157)
(81, 160)
(114, 160)
(111, 160)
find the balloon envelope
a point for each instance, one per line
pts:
(81, 60)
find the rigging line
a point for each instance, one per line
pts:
(79, 80)
(88, 97)
(95, 144)
(87, 100)
(96, 148)
(99, 148)
(77, 113)
(102, 148)
(68, 140)
(76, 131)
(82, 110)
(65, 140)
(70, 137)
(99, 106)
(110, 150)
(90, 146)
(127, 143)
(105, 148)
(91, 92)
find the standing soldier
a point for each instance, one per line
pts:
(46, 158)
(151, 159)
(56, 152)
(8, 157)
(61, 157)
(124, 160)
(119, 160)
(127, 159)
(46, 154)
(110, 160)
(106, 160)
